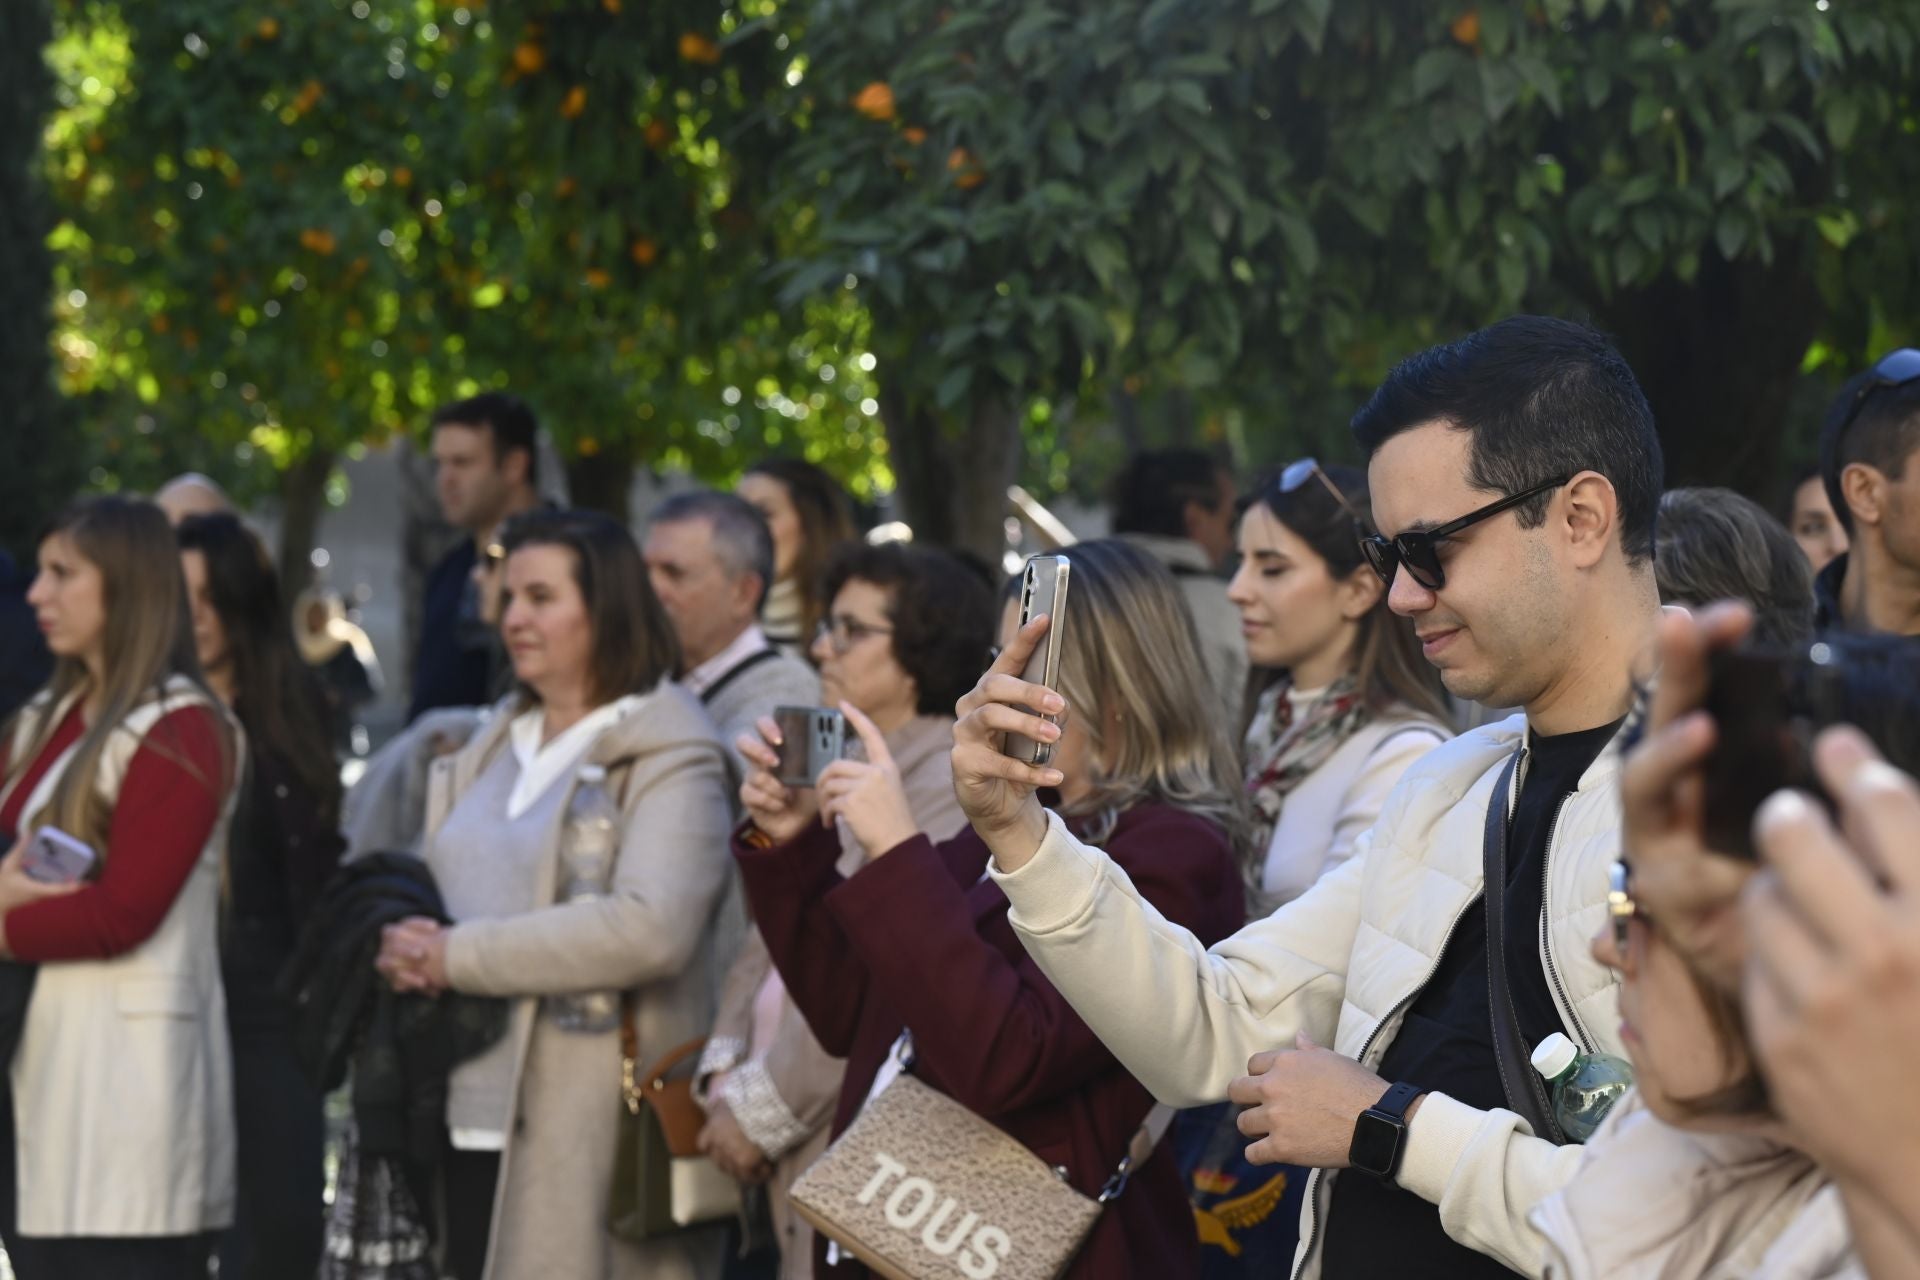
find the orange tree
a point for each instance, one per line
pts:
(1258, 204)
(287, 233)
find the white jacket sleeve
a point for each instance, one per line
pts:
(1183, 1019)
(1486, 1171)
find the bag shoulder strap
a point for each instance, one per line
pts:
(1525, 1092)
(738, 669)
(1139, 1148)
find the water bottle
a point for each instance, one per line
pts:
(588, 841)
(1585, 1085)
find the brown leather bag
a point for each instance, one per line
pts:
(662, 1184)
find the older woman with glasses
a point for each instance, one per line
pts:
(905, 636)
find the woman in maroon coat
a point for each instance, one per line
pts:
(917, 939)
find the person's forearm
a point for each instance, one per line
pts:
(1013, 846)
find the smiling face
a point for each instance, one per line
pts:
(1293, 612)
(548, 631)
(1498, 631)
(69, 600)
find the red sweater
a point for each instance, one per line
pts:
(167, 810)
(920, 939)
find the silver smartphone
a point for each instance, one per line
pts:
(54, 857)
(811, 738)
(1043, 589)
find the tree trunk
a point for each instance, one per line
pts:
(952, 475)
(44, 462)
(603, 482)
(303, 496)
(1719, 359)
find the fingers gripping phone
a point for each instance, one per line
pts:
(1043, 589)
(811, 738)
(54, 857)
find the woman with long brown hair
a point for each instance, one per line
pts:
(809, 515)
(122, 1110)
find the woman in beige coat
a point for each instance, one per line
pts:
(907, 633)
(532, 1123)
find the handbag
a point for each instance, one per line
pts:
(1525, 1092)
(920, 1188)
(662, 1184)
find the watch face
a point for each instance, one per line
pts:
(1376, 1140)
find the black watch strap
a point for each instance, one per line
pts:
(1395, 1101)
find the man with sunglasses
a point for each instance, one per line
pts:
(1515, 478)
(1867, 450)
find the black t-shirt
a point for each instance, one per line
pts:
(1446, 1043)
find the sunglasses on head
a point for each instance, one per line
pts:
(1419, 549)
(1896, 369)
(1298, 473)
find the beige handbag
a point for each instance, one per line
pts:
(920, 1188)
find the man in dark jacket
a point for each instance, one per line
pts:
(485, 471)
(1867, 450)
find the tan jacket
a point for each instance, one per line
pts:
(1652, 1202)
(667, 772)
(784, 1098)
(123, 1082)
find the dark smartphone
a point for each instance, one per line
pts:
(1043, 589)
(811, 738)
(1769, 707)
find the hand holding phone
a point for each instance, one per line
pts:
(54, 857)
(1043, 589)
(811, 738)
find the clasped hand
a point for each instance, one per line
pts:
(1302, 1104)
(413, 956)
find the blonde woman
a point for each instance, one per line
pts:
(917, 940)
(120, 1155)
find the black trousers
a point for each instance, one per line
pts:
(279, 1215)
(467, 1180)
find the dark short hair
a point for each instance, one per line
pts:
(634, 646)
(740, 534)
(1883, 435)
(1541, 398)
(506, 418)
(1714, 544)
(1151, 493)
(942, 612)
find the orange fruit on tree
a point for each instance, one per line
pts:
(695, 47)
(657, 134)
(565, 188)
(643, 251)
(966, 171)
(402, 176)
(914, 134)
(1466, 28)
(875, 102)
(574, 103)
(611, 6)
(597, 279)
(529, 57)
(268, 28)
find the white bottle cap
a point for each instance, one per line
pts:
(1554, 1055)
(592, 773)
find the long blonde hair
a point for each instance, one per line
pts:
(1131, 668)
(148, 639)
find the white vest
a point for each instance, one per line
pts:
(123, 1083)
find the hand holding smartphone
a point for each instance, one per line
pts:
(54, 857)
(811, 738)
(1043, 589)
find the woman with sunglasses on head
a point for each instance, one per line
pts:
(1339, 704)
(284, 845)
(916, 944)
(118, 1155)
(905, 635)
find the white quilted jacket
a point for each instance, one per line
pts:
(1341, 963)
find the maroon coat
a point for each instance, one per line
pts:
(919, 939)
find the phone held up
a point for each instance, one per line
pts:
(1043, 589)
(811, 738)
(54, 857)
(1768, 708)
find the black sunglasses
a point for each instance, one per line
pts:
(1896, 369)
(1419, 550)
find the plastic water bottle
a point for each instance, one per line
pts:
(1585, 1085)
(588, 842)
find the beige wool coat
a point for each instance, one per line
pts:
(649, 935)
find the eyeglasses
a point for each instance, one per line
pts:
(1419, 550)
(1896, 369)
(1621, 908)
(1298, 473)
(844, 633)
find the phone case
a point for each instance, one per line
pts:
(54, 857)
(1043, 589)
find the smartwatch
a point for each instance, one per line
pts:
(1380, 1134)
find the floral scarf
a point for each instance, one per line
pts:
(1282, 748)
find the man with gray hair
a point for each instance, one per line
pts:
(710, 557)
